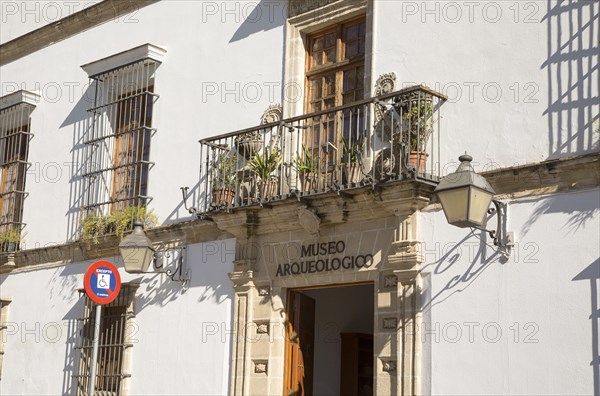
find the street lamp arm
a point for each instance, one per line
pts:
(499, 235)
(176, 274)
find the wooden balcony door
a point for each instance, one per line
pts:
(335, 75)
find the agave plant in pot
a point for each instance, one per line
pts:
(352, 167)
(307, 169)
(263, 167)
(223, 179)
(418, 123)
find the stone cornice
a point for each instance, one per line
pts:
(398, 198)
(326, 11)
(551, 176)
(183, 233)
(64, 28)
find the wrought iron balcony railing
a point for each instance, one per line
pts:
(390, 137)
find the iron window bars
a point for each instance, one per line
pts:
(114, 343)
(117, 142)
(15, 134)
(390, 137)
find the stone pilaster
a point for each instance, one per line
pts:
(243, 277)
(397, 341)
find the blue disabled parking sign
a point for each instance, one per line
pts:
(102, 282)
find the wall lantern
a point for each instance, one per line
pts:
(138, 252)
(466, 197)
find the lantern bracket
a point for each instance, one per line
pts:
(175, 272)
(500, 236)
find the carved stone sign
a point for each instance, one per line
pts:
(317, 257)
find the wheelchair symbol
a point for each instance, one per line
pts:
(103, 281)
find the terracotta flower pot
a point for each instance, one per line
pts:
(223, 197)
(309, 182)
(352, 173)
(418, 159)
(268, 189)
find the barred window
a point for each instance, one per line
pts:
(3, 325)
(15, 134)
(120, 132)
(132, 148)
(117, 331)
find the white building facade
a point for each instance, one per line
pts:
(286, 155)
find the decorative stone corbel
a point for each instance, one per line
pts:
(242, 225)
(10, 263)
(385, 160)
(405, 255)
(402, 203)
(309, 220)
(385, 84)
(243, 264)
(273, 113)
(242, 279)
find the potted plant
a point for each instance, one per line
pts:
(223, 179)
(352, 160)
(418, 123)
(9, 240)
(117, 223)
(95, 226)
(307, 170)
(248, 144)
(263, 167)
(125, 218)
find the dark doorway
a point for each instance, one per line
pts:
(329, 341)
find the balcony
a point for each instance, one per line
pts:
(363, 145)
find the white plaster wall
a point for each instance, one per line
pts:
(521, 77)
(182, 344)
(21, 17)
(524, 326)
(222, 46)
(337, 310)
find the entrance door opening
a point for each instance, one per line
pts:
(329, 341)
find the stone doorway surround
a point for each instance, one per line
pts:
(384, 224)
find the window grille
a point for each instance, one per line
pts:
(3, 321)
(117, 143)
(117, 330)
(15, 134)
